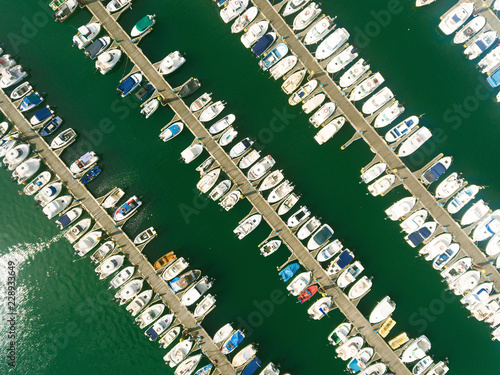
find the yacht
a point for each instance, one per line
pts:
(41, 116)
(273, 57)
(244, 20)
(435, 171)
(414, 221)
(441, 260)
(172, 131)
(232, 342)
(63, 10)
(487, 227)
(321, 115)
(30, 101)
(150, 107)
(299, 283)
(178, 353)
(261, 168)
(63, 139)
(87, 242)
(222, 124)
(294, 81)
(160, 326)
(314, 102)
(249, 159)
(340, 333)
(421, 234)
(320, 308)
(171, 63)
(480, 43)
(188, 365)
(191, 153)
(350, 274)
(270, 247)
(354, 73)
(143, 25)
(26, 170)
(366, 87)
(129, 84)
(254, 33)
(129, 291)
(402, 129)
(233, 9)
(320, 237)
(272, 180)
(303, 92)
(298, 217)
(16, 156)
(240, 148)
(294, 6)
(57, 206)
(83, 163)
(422, 365)
(470, 29)
(373, 172)
(37, 183)
(107, 60)
(21, 91)
(212, 111)
(109, 266)
(340, 262)
(204, 306)
(247, 226)
(97, 47)
(388, 115)
(456, 17)
(77, 230)
(174, 269)
(331, 44)
(382, 311)
(11, 76)
(449, 186)
(401, 208)
(103, 251)
(264, 43)
(377, 101)
(150, 315)
(476, 212)
(127, 209)
(116, 5)
(306, 17)
(340, 61)
(350, 348)
(329, 130)
(360, 288)
(122, 277)
(416, 350)
(308, 228)
(86, 34)
(221, 189)
(244, 356)
(413, 143)
(382, 185)
(462, 198)
(330, 250)
(283, 67)
(319, 30)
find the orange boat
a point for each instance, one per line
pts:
(164, 260)
(307, 294)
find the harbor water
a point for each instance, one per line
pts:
(65, 320)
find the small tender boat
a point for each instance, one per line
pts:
(288, 204)
(377, 101)
(280, 191)
(422, 365)
(150, 107)
(470, 29)
(247, 226)
(350, 274)
(212, 111)
(264, 43)
(169, 337)
(306, 17)
(87, 242)
(143, 25)
(20, 91)
(476, 212)
(329, 130)
(171, 63)
(366, 87)
(145, 236)
(30, 101)
(149, 315)
(233, 9)
(141, 300)
(51, 126)
(354, 73)
(57, 206)
(360, 288)
(303, 92)
(414, 142)
(270, 247)
(314, 102)
(294, 6)
(319, 30)
(232, 342)
(401, 129)
(221, 189)
(308, 228)
(38, 182)
(421, 234)
(26, 170)
(83, 163)
(343, 59)
(190, 87)
(447, 256)
(449, 186)
(107, 60)
(172, 131)
(86, 34)
(388, 115)
(298, 217)
(222, 124)
(321, 115)
(272, 180)
(273, 57)
(240, 148)
(97, 47)
(48, 193)
(188, 365)
(77, 230)
(174, 269)
(64, 10)
(350, 348)
(329, 251)
(69, 217)
(41, 116)
(103, 251)
(160, 326)
(294, 81)
(283, 67)
(201, 102)
(208, 181)
(165, 260)
(244, 356)
(382, 185)
(436, 170)
(191, 153)
(322, 235)
(178, 353)
(487, 227)
(261, 168)
(416, 350)
(456, 17)
(204, 306)
(401, 208)
(109, 266)
(129, 84)
(373, 172)
(289, 271)
(462, 198)
(116, 5)
(127, 209)
(480, 43)
(382, 311)
(12, 76)
(129, 291)
(122, 277)
(331, 44)
(244, 20)
(299, 283)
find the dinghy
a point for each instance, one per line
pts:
(150, 107)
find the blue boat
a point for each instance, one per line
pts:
(253, 366)
(344, 259)
(204, 370)
(41, 116)
(172, 131)
(30, 101)
(421, 234)
(129, 84)
(51, 126)
(288, 272)
(233, 342)
(220, 2)
(144, 92)
(264, 43)
(274, 56)
(494, 78)
(91, 175)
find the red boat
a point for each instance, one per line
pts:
(307, 294)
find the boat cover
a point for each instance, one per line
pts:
(344, 259)
(262, 44)
(419, 236)
(288, 272)
(126, 85)
(322, 236)
(456, 18)
(94, 48)
(354, 365)
(252, 367)
(32, 99)
(151, 332)
(144, 23)
(435, 172)
(235, 340)
(43, 114)
(64, 221)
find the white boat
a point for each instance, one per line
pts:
(306, 17)
(303, 92)
(228, 136)
(421, 234)
(321, 115)
(298, 217)
(329, 130)
(414, 221)
(416, 350)
(361, 359)
(414, 142)
(456, 17)
(204, 306)
(382, 311)
(171, 63)
(331, 44)
(48, 193)
(143, 25)
(222, 124)
(487, 227)
(270, 369)
(343, 59)
(169, 337)
(150, 107)
(26, 170)
(244, 356)
(373, 172)
(422, 365)
(141, 300)
(19, 92)
(420, 3)
(388, 115)
(86, 34)
(272, 180)
(294, 81)
(401, 208)
(261, 168)
(107, 60)
(377, 101)
(283, 67)
(122, 277)
(149, 315)
(172, 131)
(103, 251)
(109, 266)
(63, 139)
(441, 260)
(249, 159)
(350, 348)
(188, 366)
(37, 183)
(244, 20)
(86, 161)
(377, 368)
(240, 148)
(308, 228)
(340, 262)
(320, 308)
(211, 111)
(319, 30)
(294, 6)
(87, 242)
(449, 186)
(480, 43)
(270, 247)
(320, 237)
(382, 185)
(314, 102)
(116, 5)
(160, 326)
(233, 9)
(112, 199)
(11, 76)
(470, 29)
(16, 156)
(288, 204)
(438, 369)
(175, 269)
(221, 189)
(340, 333)
(366, 87)
(493, 246)
(127, 209)
(401, 129)
(191, 153)
(360, 288)
(462, 198)
(57, 206)
(223, 333)
(247, 226)
(209, 180)
(6, 61)
(178, 353)
(479, 294)
(145, 236)
(354, 73)
(350, 274)
(330, 250)
(299, 283)
(254, 33)
(77, 230)
(457, 269)
(490, 61)
(201, 102)
(195, 292)
(129, 291)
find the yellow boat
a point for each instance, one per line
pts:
(399, 340)
(386, 327)
(164, 260)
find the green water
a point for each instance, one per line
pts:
(66, 323)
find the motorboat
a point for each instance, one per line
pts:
(306, 17)
(26, 170)
(143, 25)
(401, 129)
(340, 333)
(160, 326)
(117, 5)
(97, 47)
(177, 354)
(57, 206)
(416, 350)
(103, 251)
(222, 124)
(298, 217)
(373, 172)
(479, 294)
(449, 186)
(172, 131)
(388, 115)
(107, 60)
(288, 204)
(16, 156)
(169, 337)
(244, 356)
(201, 102)
(493, 246)
(270, 369)
(247, 226)
(414, 221)
(294, 6)
(308, 228)
(145, 91)
(382, 185)
(140, 300)
(69, 217)
(254, 33)
(191, 153)
(188, 365)
(487, 227)
(457, 269)
(314, 102)
(299, 283)
(401, 208)
(221, 189)
(319, 30)
(21, 91)
(272, 180)
(171, 63)
(480, 43)
(340, 262)
(240, 148)
(329, 130)
(283, 67)
(270, 247)
(232, 342)
(212, 111)
(329, 251)
(436, 170)
(150, 107)
(350, 348)
(233, 9)
(289, 271)
(11, 76)
(122, 277)
(377, 101)
(350, 274)
(191, 86)
(323, 114)
(462, 198)
(420, 3)
(37, 183)
(86, 34)
(151, 314)
(360, 288)
(63, 9)
(447, 256)
(230, 200)
(51, 126)
(456, 17)
(331, 44)
(320, 308)
(421, 234)
(145, 236)
(48, 193)
(204, 306)
(223, 333)
(175, 269)
(30, 101)
(294, 81)
(77, 230)
(303, 92)
(366, 87)
(360, 360)
(6, 62)
(129, 84)
(378, 368)
(470, 29)
(438, 369)
(165, 260)
(87, 242)
(128, 292)
(320, 237)
(343, 59)
(382, 311)
(273, 57)
(414, 142)
(244, 20)
(476, 212)
(63, 139)
(41, 116)
(356, 71)
(109, 266)
(205, 166)
(488, 63)
(261, 168)
(208, 181)
(127, 209)
(422, 365)
(86, 161)
(264, 43)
